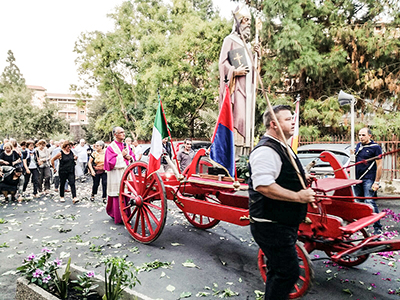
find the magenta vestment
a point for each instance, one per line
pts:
(110, 160)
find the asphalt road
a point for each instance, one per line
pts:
(209, 263)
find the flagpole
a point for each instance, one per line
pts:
(253, 108)
(169, 133)
(295, 137)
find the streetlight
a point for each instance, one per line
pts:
(345, 99)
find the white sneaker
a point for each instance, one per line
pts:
(62, 199)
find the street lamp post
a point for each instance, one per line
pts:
(345, 99)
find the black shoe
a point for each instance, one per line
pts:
(92, 198)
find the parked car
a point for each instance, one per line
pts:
(309, 153)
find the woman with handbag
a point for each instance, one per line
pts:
(66, 170)
(10, 156)
(96, 168)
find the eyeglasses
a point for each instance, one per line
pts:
(120, 132)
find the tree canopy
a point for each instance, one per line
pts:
(314, 49)
(157, 50)
(311, 50)
(20, 119)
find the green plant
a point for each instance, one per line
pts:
(84, 285)
(119, 274)
(42, 270)
(242, 167)
(39, 270)
(62, 283)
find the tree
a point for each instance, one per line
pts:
(11, 78)
(156, 50)
(316, 48)
(19, 119)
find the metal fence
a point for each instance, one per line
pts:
(391, 162)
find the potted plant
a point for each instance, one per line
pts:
(49, 275)
(47, 278)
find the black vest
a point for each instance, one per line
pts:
(283, 212)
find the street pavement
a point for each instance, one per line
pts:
(216, 263)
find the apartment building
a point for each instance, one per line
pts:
(72, 108)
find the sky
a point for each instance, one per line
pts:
(42, 35)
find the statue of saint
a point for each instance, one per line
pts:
(236, 70)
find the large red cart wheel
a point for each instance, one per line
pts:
(303, 284)
(346, 244)
(143, 203)
(201, 221)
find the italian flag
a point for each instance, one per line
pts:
(160, 131)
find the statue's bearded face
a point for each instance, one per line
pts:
(245, 28)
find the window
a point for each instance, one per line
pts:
(82, 112)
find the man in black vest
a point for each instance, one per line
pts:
(277, 203)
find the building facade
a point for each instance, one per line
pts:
(73, 109)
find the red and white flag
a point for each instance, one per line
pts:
(160, 131)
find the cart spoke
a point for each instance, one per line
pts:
(152, 196)
(150, 212)
(149, 187)
(147, 220)
(143, 223)
(136, 225)
(126, 195)
(152, 205)
(131, 189)
(132, 214)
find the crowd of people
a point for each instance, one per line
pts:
(46, 168)
(55, 166)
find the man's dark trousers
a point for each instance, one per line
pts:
(278, 242)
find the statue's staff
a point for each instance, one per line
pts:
(253, 107)
(270, 106)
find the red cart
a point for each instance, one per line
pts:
(336, 226)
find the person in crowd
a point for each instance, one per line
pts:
(31, 168)
(66, 169)
(96, 167)
(43, 155)
(52, 145)
(2, 145)
(56, 177)
(10, 157)
(369, 172)
(129, 146)
(138, 149)
(11, 183)
(128, 143)
(116, 160)
(81, 152)
(167, 150)
(185, 155)
(24, 155)
(277, 202)
(24, 151)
